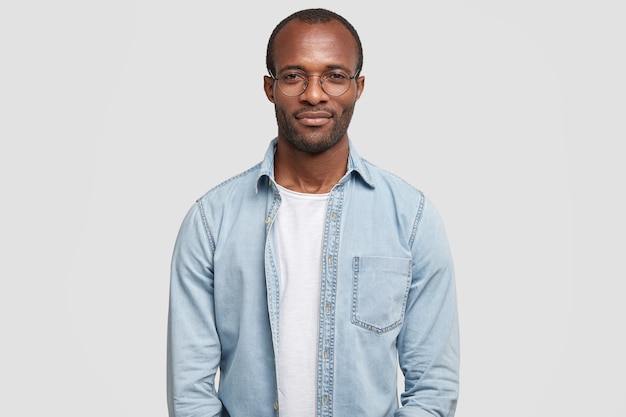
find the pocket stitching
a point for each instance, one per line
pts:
(375, 329)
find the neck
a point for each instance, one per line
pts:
(310, 173)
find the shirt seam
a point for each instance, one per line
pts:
(417, 221)
(205, 224)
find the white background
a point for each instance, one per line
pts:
(115, 115)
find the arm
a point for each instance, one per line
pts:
(193, 351)
(428, 345)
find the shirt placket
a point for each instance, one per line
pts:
(327, 303)
(271, 275)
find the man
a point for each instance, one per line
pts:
(309, 278)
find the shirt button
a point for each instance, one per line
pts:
(330, 259)
(267, 220)
(276, 405)
(327, 308)
(325, 353)
(325, 399)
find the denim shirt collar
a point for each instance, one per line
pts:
(355, 165)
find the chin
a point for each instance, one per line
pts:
(312, 145)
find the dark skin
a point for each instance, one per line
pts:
(312, 149)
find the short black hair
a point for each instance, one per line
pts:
(312, 16)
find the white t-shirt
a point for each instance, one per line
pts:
(299, 229)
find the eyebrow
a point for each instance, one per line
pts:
(301, 68)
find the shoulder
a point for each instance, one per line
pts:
(235, 187)
(383, 180)
(405, 197)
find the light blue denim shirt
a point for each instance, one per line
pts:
(387, 295)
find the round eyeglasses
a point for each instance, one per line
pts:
(334, 83)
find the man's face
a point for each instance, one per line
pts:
(314, 121)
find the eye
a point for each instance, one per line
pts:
(336, 77)
(292, 78)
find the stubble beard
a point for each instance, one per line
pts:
(313, 141)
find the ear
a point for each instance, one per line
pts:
(268, 86)
(360, 85)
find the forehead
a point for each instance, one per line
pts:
(315, 46)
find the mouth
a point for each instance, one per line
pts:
(314, 118)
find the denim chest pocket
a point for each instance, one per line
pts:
(380, 287)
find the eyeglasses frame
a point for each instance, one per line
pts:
(306, 84)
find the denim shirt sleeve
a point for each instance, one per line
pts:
(193, 352)
(428, 344)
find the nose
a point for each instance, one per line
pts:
(314, 93)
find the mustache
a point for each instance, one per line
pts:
(313, 109)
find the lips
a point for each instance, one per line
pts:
(314, 118)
